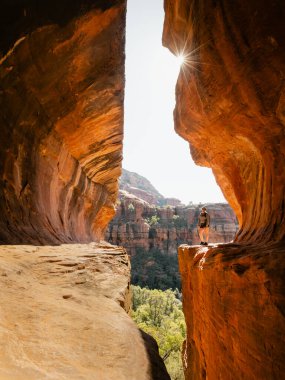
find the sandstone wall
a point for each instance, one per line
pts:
(230, 102)
(233, 301)
(63, 308)
(230, 107)
(61, 114)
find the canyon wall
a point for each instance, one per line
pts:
(234, 306)
(61, 97)
(64, 307)
(230, 103)
(138, 224)
(230, 106)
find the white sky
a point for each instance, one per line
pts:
(151, 146)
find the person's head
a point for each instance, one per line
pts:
(203, 209)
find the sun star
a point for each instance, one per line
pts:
(180, 59)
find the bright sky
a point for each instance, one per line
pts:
(151, 146)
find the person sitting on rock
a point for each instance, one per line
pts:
(203, 226)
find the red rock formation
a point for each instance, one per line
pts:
(140, 186)
(230, 103)
(233, 301)
(172, 202)
(133, 228)
(64, 315)
(61, 96)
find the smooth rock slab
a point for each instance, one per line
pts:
(234, 302)
(63, 315)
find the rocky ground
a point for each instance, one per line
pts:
(63, 314)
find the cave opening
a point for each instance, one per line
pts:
(151, 146)
(156, 160)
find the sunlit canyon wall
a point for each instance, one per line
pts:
(63, 307)
(131, 227)
(61, 96)
(230, 106)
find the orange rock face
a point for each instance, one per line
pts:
(233, 301)
(230, 102)
(63, 307)
(61, 96)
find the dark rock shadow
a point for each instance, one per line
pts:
(158, 370)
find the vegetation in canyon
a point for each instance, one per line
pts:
(155, 269)
(159, 313)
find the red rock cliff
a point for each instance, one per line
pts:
(61, 96)
(134, 227)
(63, 307)
(230, 102)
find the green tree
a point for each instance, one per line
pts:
(153, 220)
(159, 313)
(155, 269)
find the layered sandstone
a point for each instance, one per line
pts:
(233, 301)
(61, 97)
(230, 101)
(63, 308)
(138, 224)
(140, 186)
(64, 316)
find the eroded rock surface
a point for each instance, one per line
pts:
(63, 315)
(230, 103)
(233, 301)
(63, 308)
(140, 186)
(61, 101)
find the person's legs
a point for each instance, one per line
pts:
(201, 233)
(206, 234)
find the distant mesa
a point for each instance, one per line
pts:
(142, 188)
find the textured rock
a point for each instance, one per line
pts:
(63, 315)
(61, 112)
(233, 301)
(230, 103)
(230, 107)
(140, 186)
(132, 229)
(172, 202)
(61, 97)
